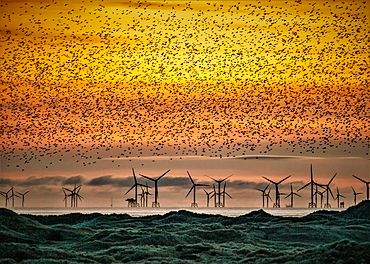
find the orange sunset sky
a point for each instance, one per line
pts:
(92, 89)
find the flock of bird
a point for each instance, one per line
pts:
(181, 78)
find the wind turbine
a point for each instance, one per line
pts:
(155, 203)
(355, 195)
(327, 190)
(312, 204)
(224, 193)
(13, 195)
(291, 194)
(218, 204)
(337, 197)
(136, 184)
(263, 194)
(321, 196)
(142, 197)
(214, 195)
(193, 188)
(74, 194)
(146, 194)
(367, 186)
(277, 194)
(23, 194)
(77, 195)
(268, 197)
(6, 196)
(65, 196)
(207, 195)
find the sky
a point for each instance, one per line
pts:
(93, 89)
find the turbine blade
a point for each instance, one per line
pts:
(284, 179)
(133, 174)
(201, 185)
(332, 179)
(130, 189)
(190, 178)
(146, 177)
(142, 185)
(268, 180)
(211, 178)
(227, 177)
(359, 179)
(163, 175)
(266, 187)
(189, 191)
(303, 187)
(331, 192)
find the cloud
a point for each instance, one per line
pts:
(38, 181)
(109, 180)
(74, 180)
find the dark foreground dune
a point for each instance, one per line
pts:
(185, 237)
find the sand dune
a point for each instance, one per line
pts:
(186, 237)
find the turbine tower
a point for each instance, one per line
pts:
(291, 194)
(224, 193)
(193, 188)
(367, 186)
(327, 190)
(277, 194)
(337, 197)
(355, 195)
(22, 195)
(155, 203)
(263, 195)
(312, 204)
(136, 184)
(6, 196)
(218, 203)
(208, 196)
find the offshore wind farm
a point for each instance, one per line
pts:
(194, 131)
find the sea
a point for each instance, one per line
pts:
(146, 211)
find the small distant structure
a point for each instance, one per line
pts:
(355, 195)
(134, 186)
(367, 185)
(224, 193)
(208, 196)
(277, 193)
(328, 190)
(193, 188)
(155, 203)
(131, 202)
(7, 196)
(147, 193)
(264, 195)
(337, 197)
(73, 194)
(219, 193)
(268, 197)
(291, 194)
(321, 194)
(13, 196)
(214, 195)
